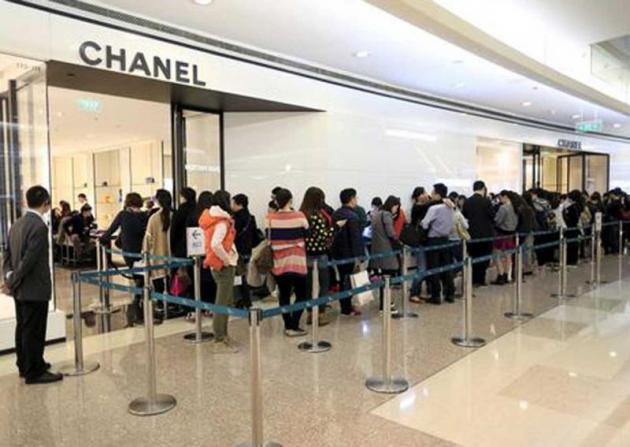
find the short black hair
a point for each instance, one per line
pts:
(37, 196)
(283, 196)
(189, 194)
(377, 201)
(441, 189)
(241, 199)
(82, 196)
(417, 191)
(478, 185)
(453, 195)
(85, 208)
(346, 195)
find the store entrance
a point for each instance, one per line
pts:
(559, 170)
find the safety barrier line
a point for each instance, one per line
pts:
(216, 308)
(111, 285)
(128, 254)
(426, 273)
(114, 271)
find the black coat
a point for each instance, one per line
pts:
(181, 219)
(526, 219)
(348, 240)
(133, 225)
(480, 214)
(245, 226)
(27, 258)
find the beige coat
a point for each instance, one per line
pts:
(157, 242)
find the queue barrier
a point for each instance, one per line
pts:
(154, 403)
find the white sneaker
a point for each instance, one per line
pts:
(295, 332)
(224, 346)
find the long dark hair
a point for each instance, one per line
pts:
(189, 194)
(390, 203)
(313, 201)
(165, 201)
(221, 199)
(204, 202)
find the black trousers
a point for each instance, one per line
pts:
(572, 247)
(288, 284)
(345, 270)
(476, 250)
(438, 258)
(30, 337)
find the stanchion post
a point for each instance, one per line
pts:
(316, 345)
(561, 269)
(199, 336)
(621, 239)
(255, 319)
(468, 340)
(104, 306)
(598, 278)
(517, 313)
(80, 366)
(153, 403)
(591, 280)
(386, 383)
(404, 291)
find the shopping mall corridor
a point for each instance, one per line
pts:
(562, 379)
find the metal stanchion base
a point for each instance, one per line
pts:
(204, 337)
(142, 406)
(561, 296)
(393, 386)
(72, 370)
(321, 346)
(519, 316)
(474, 342)
(102, 310)
(266, 444)
(400, 315)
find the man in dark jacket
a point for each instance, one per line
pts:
(27, 278)
(347, 243)
(480, 214)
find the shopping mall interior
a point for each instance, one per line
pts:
(470, 329)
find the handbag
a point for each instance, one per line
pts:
(413, 235)
(180, 283)
(262, 255)
(362, 279)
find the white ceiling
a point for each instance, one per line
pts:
(329, 32)
(116, 122)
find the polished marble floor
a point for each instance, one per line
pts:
(556, 380)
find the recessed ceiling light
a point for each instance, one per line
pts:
(361, 54)
(553, 112)
(526, 103)
(458, 61)
(576, 116)
(202, 2)
(616, 125)
(459, 85)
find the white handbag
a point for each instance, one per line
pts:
(362, 279)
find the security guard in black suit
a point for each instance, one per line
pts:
(26, 271)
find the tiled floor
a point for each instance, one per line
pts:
(557, 380)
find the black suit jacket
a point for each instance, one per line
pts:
(27, 258)
(480, 214)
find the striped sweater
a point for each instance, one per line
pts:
(287, 230)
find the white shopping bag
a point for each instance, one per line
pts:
(362, 279)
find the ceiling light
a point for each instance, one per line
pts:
(526, 103)
(576, 116)
(616, 125)
(400, 133)
(361, 54)
(612, 354)
(553, 112)
(459, 85)
(202, 2)
(458, 61)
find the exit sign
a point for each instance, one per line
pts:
(589, 126)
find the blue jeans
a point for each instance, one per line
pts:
(324, 275)
(421, 264)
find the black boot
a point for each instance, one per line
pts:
(501, 280)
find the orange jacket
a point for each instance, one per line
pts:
(208, 224)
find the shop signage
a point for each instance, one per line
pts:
(589, 126)
(136, 62)
(570, 144)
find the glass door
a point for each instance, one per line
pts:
(198, 150)
(24, 154)
(584, 172)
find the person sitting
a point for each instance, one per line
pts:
(77, 228)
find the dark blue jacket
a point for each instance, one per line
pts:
(348, 240)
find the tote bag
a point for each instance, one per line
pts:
(362, 279)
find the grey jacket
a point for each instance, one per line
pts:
(27, 260)
(382, 234)
(506, 219)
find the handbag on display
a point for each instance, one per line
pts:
(362, 279)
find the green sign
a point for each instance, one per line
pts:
(89, 104)
(589, 126)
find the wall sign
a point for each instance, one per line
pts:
(570, 144)
(120, 59)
